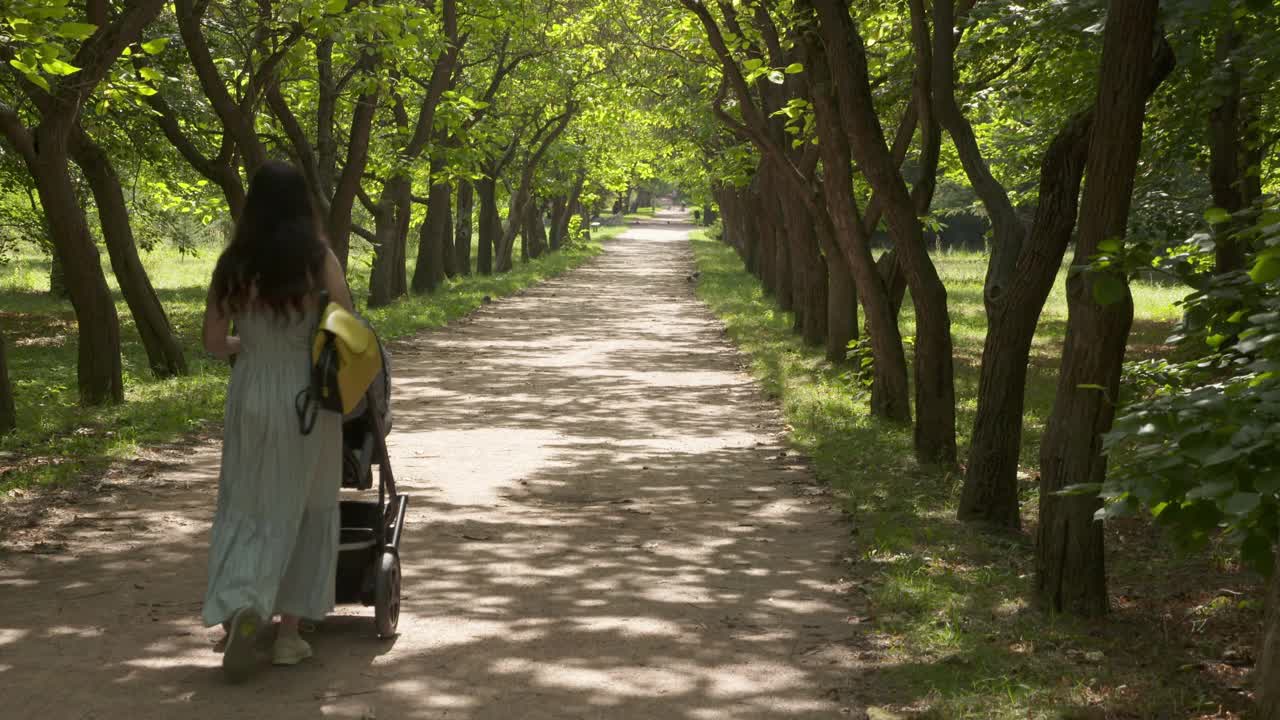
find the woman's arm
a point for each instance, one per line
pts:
(335, 281)
(216, 328)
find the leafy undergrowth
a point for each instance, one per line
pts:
(948, 630)
(60, 441)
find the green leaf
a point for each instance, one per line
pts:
(776, 77)
(155, 47)
(1108, 288)
(1266, 269)
(58, 67)
(333, 7)
(22, 67)
(752, 64)
(77, 31)
(1111, 246)
(1242, 503)
(151, 74)
(794, 68)
(1216, 216)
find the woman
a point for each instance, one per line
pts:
(274, 544)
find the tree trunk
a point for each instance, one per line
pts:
(935, 437)
(98, 363)
(1014, 300)
(57, 276)
(842, 308)
(575, 198)
(348, 184)
(889, 389)
(164, 352)
(535, 233)
(1267, 673)
(1070, 568)
(895, 283)
(462, 228)
(449, 262)
(8, 416)
(1014, 295)
(490, 224)
(816, 288)
(429, 274)
(808, 271)
(559, 221)
(1227, 161)
(391, 228)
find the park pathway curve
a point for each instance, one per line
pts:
(603, 525)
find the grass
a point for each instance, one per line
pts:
(949, 629)
(60, 441)
(642, 213)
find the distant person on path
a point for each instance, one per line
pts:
(274, 545)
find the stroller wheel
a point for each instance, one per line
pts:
(386, 607)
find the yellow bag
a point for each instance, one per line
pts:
(359, 359)
(345, 359)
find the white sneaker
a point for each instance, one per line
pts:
(290, 649)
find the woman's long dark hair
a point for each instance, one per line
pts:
(276, 257)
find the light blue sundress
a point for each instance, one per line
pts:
(274, 543)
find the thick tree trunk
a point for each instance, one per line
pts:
(1014, 296)
(842, 308)
(1267, 672)
(462, 229)
(8, 416)
(1014, 300)
(895, 283)
(758, 218)
(57, 276)
(490, 228)
(164, 352)
(816, 289)
(808, 272)
(535, 233)
(429, 274)
(391, 228)
(1070, 568)
(99, 365)
(559, 221)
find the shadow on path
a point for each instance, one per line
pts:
(602, 525)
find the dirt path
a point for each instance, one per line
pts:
(602, 526)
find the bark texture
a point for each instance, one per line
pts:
(1267, 672)
(490, 226)
(934, 378)
(164, 351)
(8, 416)
(462, 228)
(1070, 565)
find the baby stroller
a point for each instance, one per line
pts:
(369, 545)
